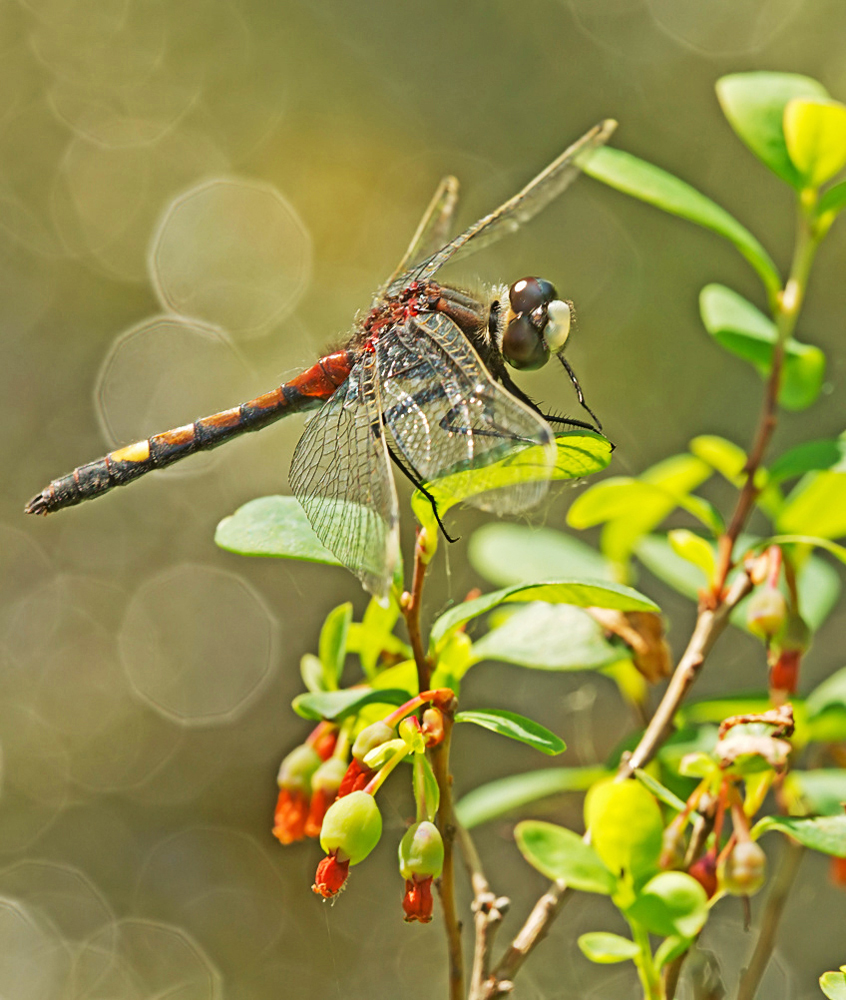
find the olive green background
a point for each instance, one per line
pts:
(259, 166)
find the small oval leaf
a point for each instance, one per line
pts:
(625, 826)
(516, 727)
(672, 904)
(272, 526)
(605, 948)
(338, 705)
(507, 794)
(562, 855)
(826, 834)
(754, 104)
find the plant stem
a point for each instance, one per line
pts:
(410, 604)
(488, 911)
(653, 988)
(446, 883)
(787, 871)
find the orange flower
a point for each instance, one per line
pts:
(331, 876)
(355, 779)
(417, 902)
(838, 872)
(289, 820)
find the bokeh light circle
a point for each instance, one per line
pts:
(198, 644)
(232, 252)
(163, 373)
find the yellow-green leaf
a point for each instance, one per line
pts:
(815, 132)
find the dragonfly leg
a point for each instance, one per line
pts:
(415, 482)
(515, 390)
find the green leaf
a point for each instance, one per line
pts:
(576, 454)
(332, 647)
(823, 791)
(658, 556)
(659, 791)
(515, 727)
(516, 553)
(816, 506)
(826, 834)
(272, 526)
(811, 456)
(605, 948)
(754, 104)
(729, 460)
(826, 708)
(507, 794)
(311, 671)
(815, 134)
(337, 705)
(694, 549)
(581, 593)
(833, 984)
(625, 826)
(747, 333)
(672, 904)
(656, 187)
(562, 855)
(833, 200)
(725, 456)
(548, 637)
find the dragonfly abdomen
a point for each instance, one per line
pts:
(307, 390)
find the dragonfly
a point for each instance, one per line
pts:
(422, 383)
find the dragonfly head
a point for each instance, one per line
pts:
(537, 324)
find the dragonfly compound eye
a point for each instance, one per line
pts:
(557, 330)
(523, 346)
(529, 293)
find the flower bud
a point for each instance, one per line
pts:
(433, 726)
(743, 871)
(766, 613)
(704, 870)
(296, 769)
(421, 851)
(351, 827)
(370, 737)
(417, 903)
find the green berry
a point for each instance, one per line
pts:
(744, 870)
(421, 851)
(297, 768)
(328, 777)
(370, 737)
(352, 826)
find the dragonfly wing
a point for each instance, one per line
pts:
(432, 232)
(455, 427)
(515, 212)
(341, 475)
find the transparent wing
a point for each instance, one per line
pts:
(432, 232)
(526, 204)
(341, 476)
(455, 427)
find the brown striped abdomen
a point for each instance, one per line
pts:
(306, 391)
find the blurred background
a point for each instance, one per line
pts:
(195, 200)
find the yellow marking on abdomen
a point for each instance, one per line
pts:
(138, 452)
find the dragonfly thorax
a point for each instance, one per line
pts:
(537, 324)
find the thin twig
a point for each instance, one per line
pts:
(787, 871)
(410, 604)
(446, 883)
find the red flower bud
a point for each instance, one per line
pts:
(838, 872)
(704, 870)
(417, 902)
(355, 779)
(330, 877)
